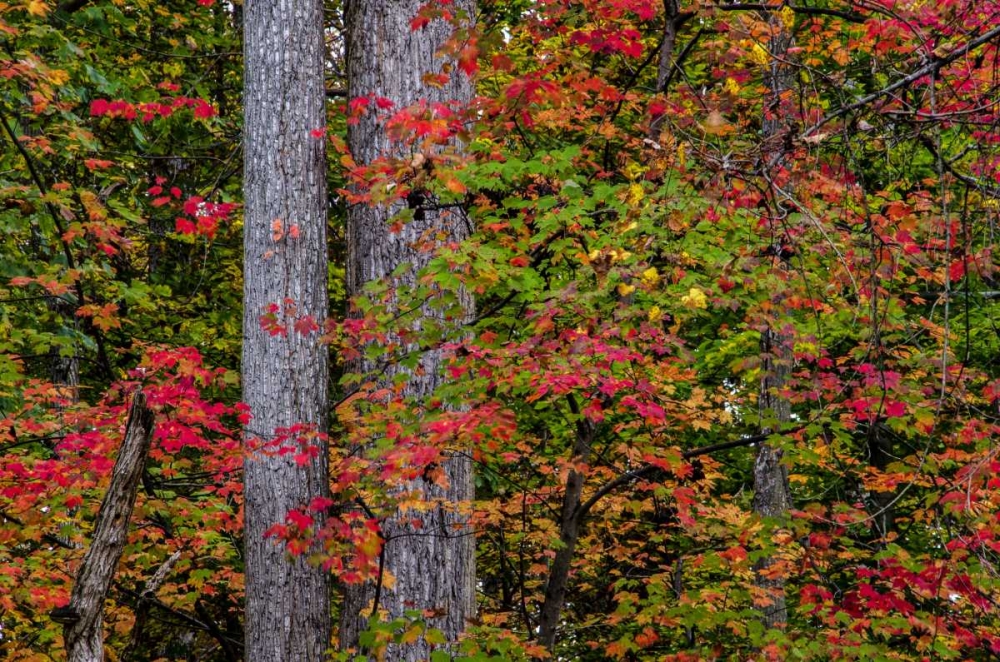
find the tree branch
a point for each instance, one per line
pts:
(853, 17)
(931, 67)
(649, 469)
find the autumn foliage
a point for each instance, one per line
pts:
(653, 187)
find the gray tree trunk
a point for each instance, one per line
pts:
(433, 565)
(772, 498)
(285, 374)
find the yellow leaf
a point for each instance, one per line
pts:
(37, 7)
(760, 55)
(787, 15)
(618, 256)
(654, 313)
(625, 289)
(634, 171)
(411, 635)
(635, 194)
(695, 298)
(57, 77)
(651, 276)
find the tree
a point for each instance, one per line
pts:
(682, 263)
(284, 371)
(117, 206)
(83, 617)
(772, 498)
(395, 75)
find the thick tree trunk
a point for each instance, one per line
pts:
(82, 619)
(285, 371)
(433, 564)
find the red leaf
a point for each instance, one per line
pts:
(956, 270)
(358, 105)
(306, 325)
(468, 59)
(202, 109)
(300, 519)
(98, 107)
(193, 205)
(184, 226)
(97, 164)
(894, 409)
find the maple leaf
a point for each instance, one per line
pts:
(895, 409)
(468, 59)
(306, 325)
(97, 164)
(203, 109)
(695, 298)
(184, 226)
(37, 7)
(99, 107)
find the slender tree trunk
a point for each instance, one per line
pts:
(570, 522)
(433, 563)
(83, 618)
(882, 504)
(672, 22)
(772, 498)
(285, 371)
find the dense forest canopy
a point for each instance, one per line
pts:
(704, 294)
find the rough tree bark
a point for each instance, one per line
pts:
(285, 374)
(83, 617)
(772, 497)
(432, 571)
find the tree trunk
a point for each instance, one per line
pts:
(570, 521)
(83, 631)
(433, 565)
(772, 498)
(285, 370)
